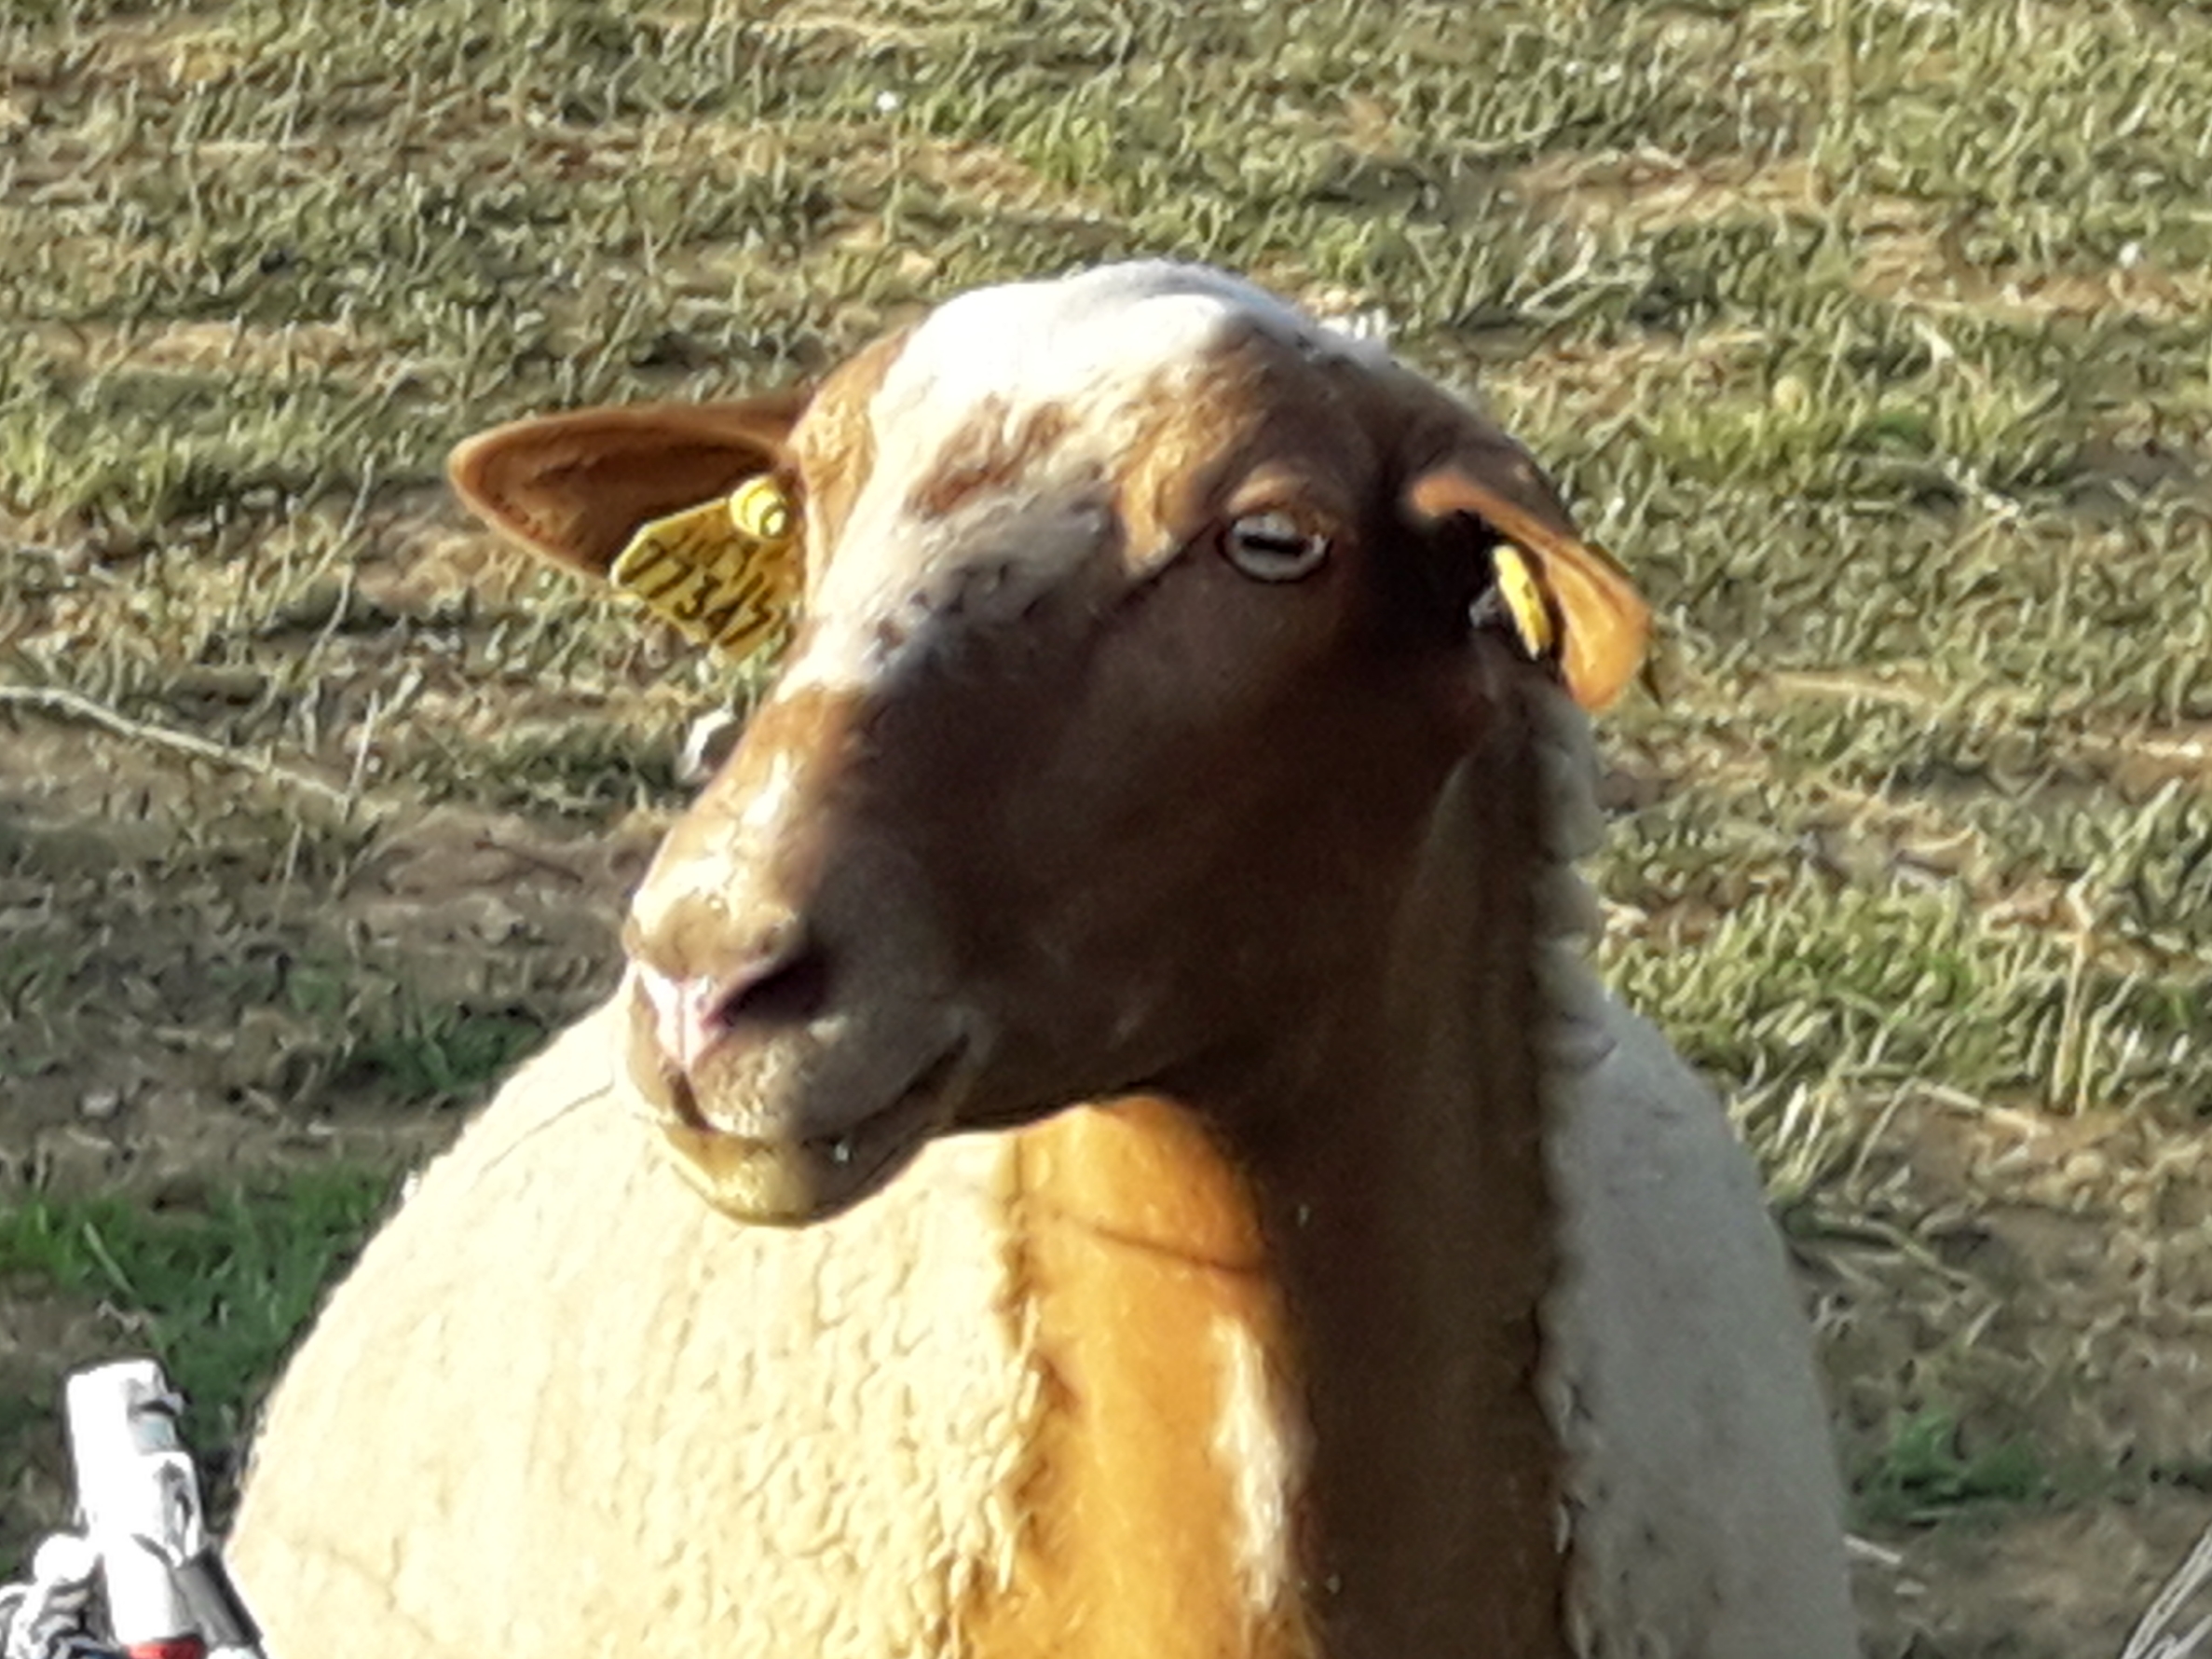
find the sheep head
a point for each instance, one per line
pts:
(1141, 623)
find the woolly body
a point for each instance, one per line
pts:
(710, 1438)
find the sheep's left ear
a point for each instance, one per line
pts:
(1568, 598)
(576, 488)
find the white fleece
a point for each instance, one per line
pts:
(562, 1407)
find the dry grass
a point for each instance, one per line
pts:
(1876, 335)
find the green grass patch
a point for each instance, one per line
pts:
(441, 1055)
(214, 1289)
(1929, 1473)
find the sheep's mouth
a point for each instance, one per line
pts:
(790, 1183)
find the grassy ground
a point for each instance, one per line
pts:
(1876, 336)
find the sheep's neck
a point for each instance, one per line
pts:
(1352, 1291)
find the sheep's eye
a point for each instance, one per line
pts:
(1274, 547)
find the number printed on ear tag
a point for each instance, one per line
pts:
(727, 572)
(1524, 600)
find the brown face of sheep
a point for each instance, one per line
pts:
(1136, 646)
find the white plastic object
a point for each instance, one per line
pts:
(139, 1494)
(64, 1559)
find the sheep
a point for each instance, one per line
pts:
(1104, 1144)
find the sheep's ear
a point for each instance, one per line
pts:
(576, 488)
(1567, 598)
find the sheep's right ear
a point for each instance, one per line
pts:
(576, 488)
(1570, 603)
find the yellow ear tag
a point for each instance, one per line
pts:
(727, 573)
(1524, 600)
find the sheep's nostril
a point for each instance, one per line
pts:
(791, 989)
(785, 982)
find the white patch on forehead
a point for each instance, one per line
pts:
(1082, 339)
(1259, 1445)
(1100, 347)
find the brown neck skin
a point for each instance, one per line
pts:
(1381, 1227)
(1409, 1215)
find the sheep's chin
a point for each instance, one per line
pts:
(794, 1183)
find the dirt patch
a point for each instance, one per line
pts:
(1647, 193)
(2070, 1583)
(210, 979)
(2037, 1286)
(206, 975)
(1912, 266)
(210, 348)
(2055, 1272)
